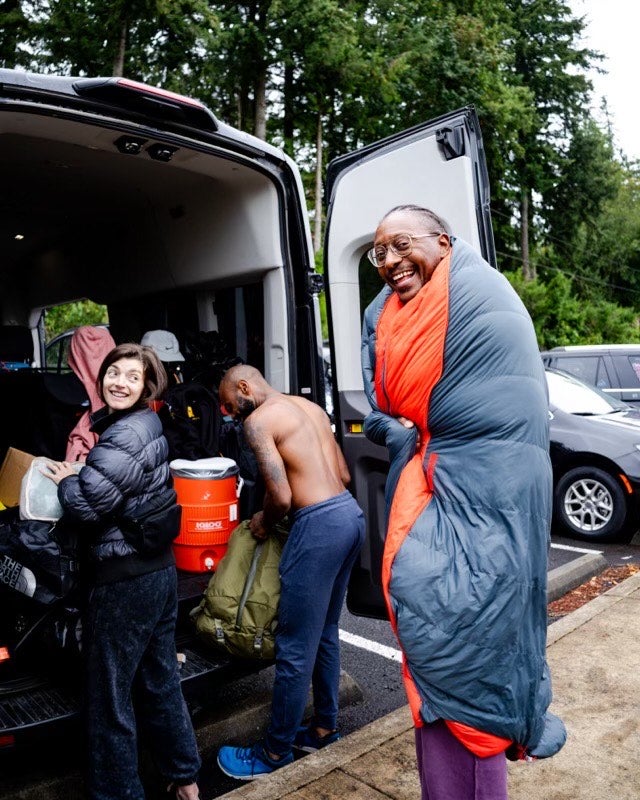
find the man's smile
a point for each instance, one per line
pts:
(399, 276)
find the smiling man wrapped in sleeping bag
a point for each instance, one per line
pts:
(455, 380)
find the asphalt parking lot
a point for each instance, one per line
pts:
(371, 687)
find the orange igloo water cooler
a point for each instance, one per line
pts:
(208, 490)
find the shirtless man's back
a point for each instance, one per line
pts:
(292, 440)
(299, 429)
(305, 477)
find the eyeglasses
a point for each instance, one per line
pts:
(401, 245)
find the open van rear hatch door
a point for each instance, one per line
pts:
(439, 165)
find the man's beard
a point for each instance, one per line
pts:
(245, 407)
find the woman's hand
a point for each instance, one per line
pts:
(57, 470)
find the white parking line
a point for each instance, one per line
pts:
(575, 549)
(372, 647)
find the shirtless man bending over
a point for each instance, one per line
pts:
(305, 476)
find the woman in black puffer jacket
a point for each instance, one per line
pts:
(129, 630)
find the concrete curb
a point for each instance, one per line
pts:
(311, 768)
(565, 578)
(591, 609)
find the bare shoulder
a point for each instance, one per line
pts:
(313, 410)
(284, 414)
(270, 417)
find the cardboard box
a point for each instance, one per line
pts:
(13, 468)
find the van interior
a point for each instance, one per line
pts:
(178, 234)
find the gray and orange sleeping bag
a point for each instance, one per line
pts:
(465, 560)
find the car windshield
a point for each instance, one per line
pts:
(574, 397)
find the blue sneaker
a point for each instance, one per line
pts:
(308, 740)
(247, 763)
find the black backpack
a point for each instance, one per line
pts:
(194, 427)
(233, 445)
(191, 420)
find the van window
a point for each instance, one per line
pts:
(240, 313)
(57, 354)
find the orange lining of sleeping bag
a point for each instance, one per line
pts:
(479, 743)
(410, 343)
(409, 352)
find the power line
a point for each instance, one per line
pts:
(574, 275)
(547, 235)
(510, 217)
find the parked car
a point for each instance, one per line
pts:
(143, 201)
(613, 368)
(595, 453)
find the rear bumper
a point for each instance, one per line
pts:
(29, 716)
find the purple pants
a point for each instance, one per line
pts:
(448, 771)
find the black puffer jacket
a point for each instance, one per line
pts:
(126, 473)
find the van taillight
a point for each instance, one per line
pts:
(8, 740)
(4, 654)
(163, 94)
(150, 101)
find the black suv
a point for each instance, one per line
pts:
(612, 368)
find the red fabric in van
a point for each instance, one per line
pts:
(88, 348)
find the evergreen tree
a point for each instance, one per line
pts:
(606, 255)
(315, 72)
(550, 62)
(154, 40)
(14, 32)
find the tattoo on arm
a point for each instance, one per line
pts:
(271, 465)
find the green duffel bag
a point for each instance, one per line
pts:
(238, 612)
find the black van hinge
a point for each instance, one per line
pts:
(315, 282)
(451, 141)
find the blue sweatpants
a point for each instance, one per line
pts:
(323, 544)
(129, 643)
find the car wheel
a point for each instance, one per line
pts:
(590, 504)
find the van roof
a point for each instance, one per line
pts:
(127, 99)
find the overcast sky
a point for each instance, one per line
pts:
(612, 28)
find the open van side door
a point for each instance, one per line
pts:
(439, 165)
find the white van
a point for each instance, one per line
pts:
(142, 200)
